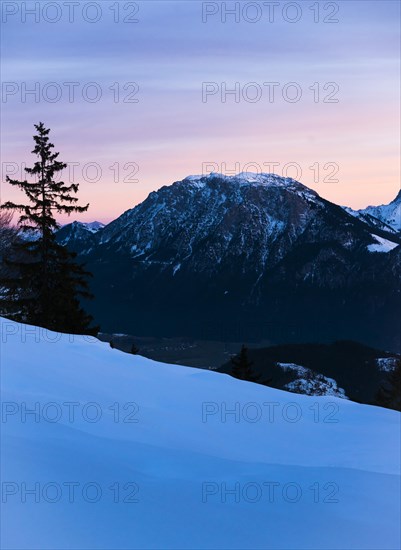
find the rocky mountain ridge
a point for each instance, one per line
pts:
(254, 249)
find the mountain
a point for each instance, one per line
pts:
(93, 227)
(76, 234)
(241, 257)
(101, 449)
(385, 216)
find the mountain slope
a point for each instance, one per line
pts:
(248, 215)
(77, 234)
(200, 476)
(245, 257)
(385, 216)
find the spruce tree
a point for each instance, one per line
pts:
(242, 367)
(46, 283)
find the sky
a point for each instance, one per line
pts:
(141, 94)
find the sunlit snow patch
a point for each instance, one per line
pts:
(383, 245)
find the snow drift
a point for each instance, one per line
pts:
(102, 449)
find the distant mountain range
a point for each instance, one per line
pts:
(386, 216)
(245, 257)
(77, 233)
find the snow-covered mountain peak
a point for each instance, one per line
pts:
(267, 179)
(93, 227)
(245, 178)
(258, 215)
(384, 216)
(259, 231)
(252, 207)
(397, 199)
(217, 183)
(78, 232)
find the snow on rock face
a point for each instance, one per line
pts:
(316, 385)
(253, 179)
(387, 213)
(199, 475)
(383, 245)
(94, 227)
(204, 222)
(311, 383)
(386, 216)
(298, 369)
(387, 364)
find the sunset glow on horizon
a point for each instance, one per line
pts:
(181, 90)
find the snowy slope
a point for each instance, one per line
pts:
(315, 473)
(94, 227)
(381, 245)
